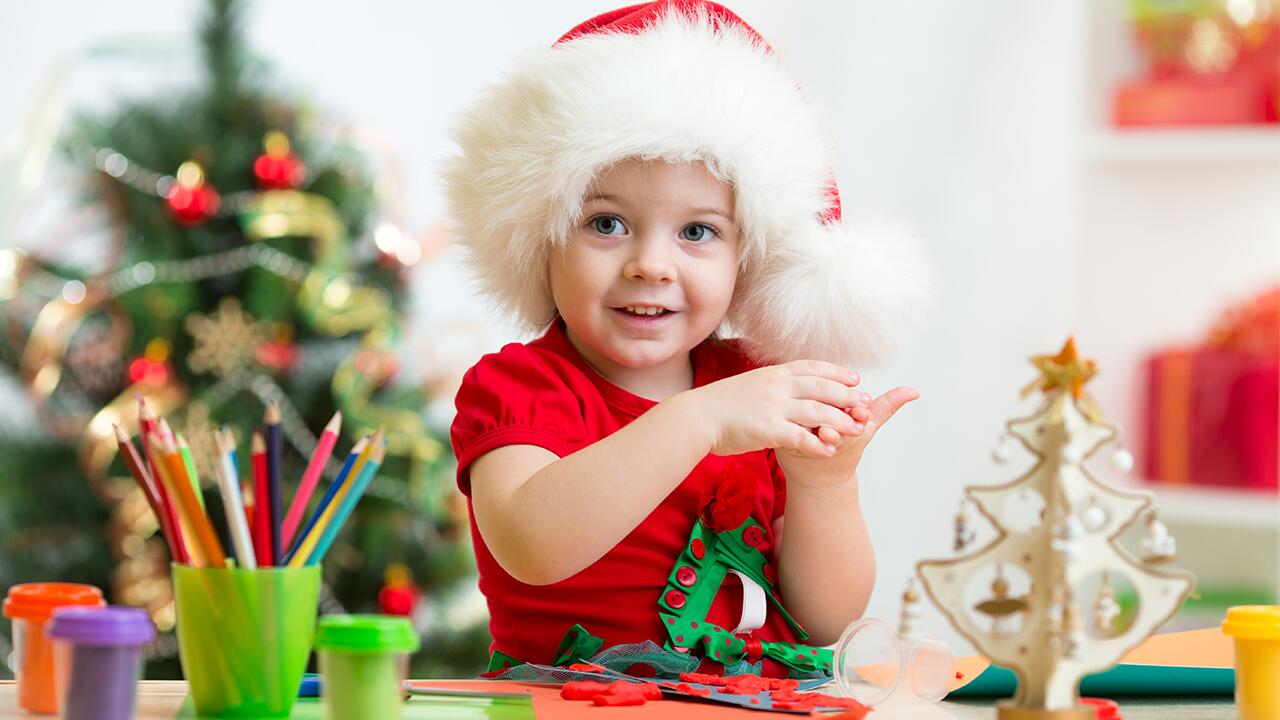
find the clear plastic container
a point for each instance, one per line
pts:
(29, 605)
(364, 660)
(98, 660)
(875, 666)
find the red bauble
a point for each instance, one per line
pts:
(151, 372)
(398, 599)
(191, 199)
(193, 205)
(278, 168)
(277, 355)
(279, 172)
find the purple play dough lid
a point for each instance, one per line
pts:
(102, 626)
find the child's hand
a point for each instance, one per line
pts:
(781, 406)
(842, 465)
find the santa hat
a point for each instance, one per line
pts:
(681, 81)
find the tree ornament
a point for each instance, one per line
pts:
(1160, 545)
(278, 168)
(1105, 608)
(192, 200)
(153, 367)
(1093, 517)
(964, 533)
(1072, 455)
(1076, 540)
(279, 353)
(398, 596)
(1122, 460)
(1000, 606)
(909, 621)
(1003, 451)
(225, 341)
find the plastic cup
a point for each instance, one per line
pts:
(868, 661)
(877, 667)
(244, 636)
(29, 606)
(364, 660)
(1256, 630)
(98, 660)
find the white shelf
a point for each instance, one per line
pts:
(1244, 509)
(1249, 144)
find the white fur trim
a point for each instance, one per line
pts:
(683, 90)
(844, 293)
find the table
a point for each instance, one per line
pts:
(163, 700)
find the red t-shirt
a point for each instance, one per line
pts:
(544, 393)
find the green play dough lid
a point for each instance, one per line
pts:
(366, 634)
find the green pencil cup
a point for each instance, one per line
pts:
(244, 637)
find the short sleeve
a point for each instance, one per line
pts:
(512, 397)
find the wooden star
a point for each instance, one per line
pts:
(1066, 370)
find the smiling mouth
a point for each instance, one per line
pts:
(643, 311)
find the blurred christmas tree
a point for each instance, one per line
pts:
(244, 265)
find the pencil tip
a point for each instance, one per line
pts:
(273, 412)
(335, 423)
(144, 409)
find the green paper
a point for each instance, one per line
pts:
(1123, 680)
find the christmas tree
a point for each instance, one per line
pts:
(1055, 554)
(247, 263)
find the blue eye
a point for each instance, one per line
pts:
(607, 225)
(698, 233)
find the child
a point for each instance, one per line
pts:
(633, 192)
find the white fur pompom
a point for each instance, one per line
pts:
(843, 293)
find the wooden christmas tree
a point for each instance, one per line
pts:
(1022, 599)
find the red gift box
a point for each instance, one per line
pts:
(1212, 414)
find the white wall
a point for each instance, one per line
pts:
(965, 118)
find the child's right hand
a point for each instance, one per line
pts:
(803, 406)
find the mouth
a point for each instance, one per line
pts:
(643, 314)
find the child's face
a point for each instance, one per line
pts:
(653, 235)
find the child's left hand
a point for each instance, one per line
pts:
(843, 464)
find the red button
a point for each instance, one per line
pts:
(675, 599)
(770, 574)
(686, 576)
(752, 536)
(698, 548)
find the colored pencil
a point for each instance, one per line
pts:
(147, 425)
(232, 502)
(189, 464)
(334, 487)
(138, 468)
(274, 481)
(205, 537)
(261, 508)
(165, 479)
(348, 504)
(319, 459)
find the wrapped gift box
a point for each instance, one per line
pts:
(1212, 417)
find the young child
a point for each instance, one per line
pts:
(637, 191)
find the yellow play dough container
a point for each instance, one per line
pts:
(1256, 630)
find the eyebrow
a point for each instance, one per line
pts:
(698, 210)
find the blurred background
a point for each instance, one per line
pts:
(1107, 169)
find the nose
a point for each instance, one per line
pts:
(650, 261)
